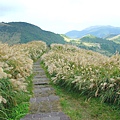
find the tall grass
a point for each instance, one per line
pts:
(85, 71)
(16, 63)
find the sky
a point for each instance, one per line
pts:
(61, 16)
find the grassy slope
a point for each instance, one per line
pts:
(115, 39)
(80, 108)
(21, 32)
(105, 46)
(96, 44)
(17, 104)
(22, 108)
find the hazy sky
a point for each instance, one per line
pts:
(61, 16)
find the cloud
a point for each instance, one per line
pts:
(10, 7)
(61, 15)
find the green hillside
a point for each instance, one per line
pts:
(21, 32)
(100, 45)
(115, 39)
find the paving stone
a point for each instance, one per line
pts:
(43, 92)
(40, 76)
(44, 107)
(34, 107)
(38, 70)
(50, 118)
(40, 90)
(41, 115)
(44, 104)
(64, 118)
(56, 113)
(41, 82)
(40, 79)
(53, 97)
(36, 65)
(46, 116)
(38, 99)
(47, 89)
(40, 86)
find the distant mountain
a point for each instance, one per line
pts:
(98, 31)
(22, 32)
(100, 45)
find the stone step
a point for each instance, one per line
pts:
(43, 92)
(45, 107)
(45, 104)
(41, 81)
(49, 98)
(38, 72)
(40, 76)
(40, 86)
(36, 65)
(43, 89)
(46, 116)
(37, 68)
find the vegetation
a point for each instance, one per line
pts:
(80, 108)
(16, 77)
(89, 80)
(17, 102)
(90, 42)
(60, 64)
(115, 39)
(103, 46)
(86, 72)
(21, 32)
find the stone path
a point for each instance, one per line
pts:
(45, 104)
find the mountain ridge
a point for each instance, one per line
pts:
(98, 31)
(90, 42)
(22, 32)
